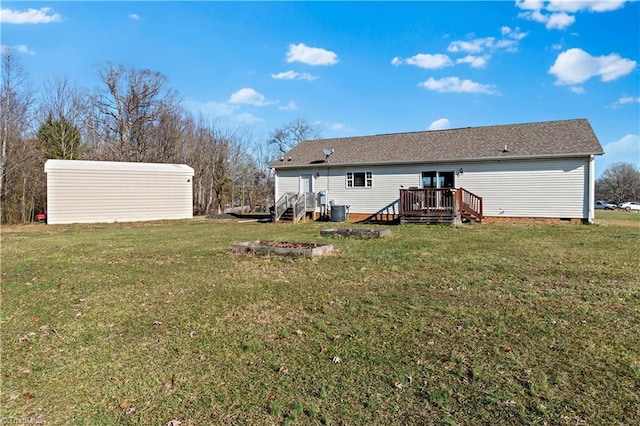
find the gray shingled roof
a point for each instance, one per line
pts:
(529, 140)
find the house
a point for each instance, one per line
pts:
(529, 171)
(106, 191)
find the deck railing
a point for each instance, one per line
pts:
(283, 204)
(470, 204)
(428, 201)
(299, 203)
(299, 207)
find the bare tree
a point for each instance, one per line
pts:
(63, 110)
(169, 134)
(206, 153)
(17, 153)
(61, 98)
(291, 134)
(127, 108)
(224, 170)
(620, 182)
(264, 184)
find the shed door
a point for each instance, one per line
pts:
(306, 183)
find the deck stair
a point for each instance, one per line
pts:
(287, 215)
(470, 205)
(292, 207)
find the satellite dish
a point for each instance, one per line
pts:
(327, 152)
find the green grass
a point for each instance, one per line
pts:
(490, 324)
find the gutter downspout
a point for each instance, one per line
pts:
(591, 189)
(275, 188)
(326, 207)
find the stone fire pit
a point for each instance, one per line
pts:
(283, 248)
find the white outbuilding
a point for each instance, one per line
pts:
(106, 191)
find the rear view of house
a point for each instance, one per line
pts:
(104, 191)
(541, 170)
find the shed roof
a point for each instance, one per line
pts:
(116, 166)
(516, 141)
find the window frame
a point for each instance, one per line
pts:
(439, 178)
(367, 179)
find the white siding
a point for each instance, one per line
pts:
(542, 188)
(97, 191)
(555, 188)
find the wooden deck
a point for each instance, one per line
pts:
(445, 206)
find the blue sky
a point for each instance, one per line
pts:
(358, 68)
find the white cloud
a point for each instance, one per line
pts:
(559, 21)
(626, 150)
(529, 4)
(222, 111)
(425, 60)
(474, 61)
(508, 42)
(332, 128)
(575, 66)
(625, 101)
(508, 45)
(574, 6)
(473, 46)
(559, 14)
(248, 96)
(292, 75)
(22, 48)
(454, 84)
(534, 15)
(578, 90)
(134, 16)
(43, 15)
(311, 55)
(291, 106)
(515, 34)
(440, 124)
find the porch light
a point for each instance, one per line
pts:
(461, 171)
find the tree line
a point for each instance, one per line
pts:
(619, 183)
(135, 116)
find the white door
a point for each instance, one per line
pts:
(306, 183)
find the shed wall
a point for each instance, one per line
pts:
(93, 191)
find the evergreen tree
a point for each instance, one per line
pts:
(60, 139)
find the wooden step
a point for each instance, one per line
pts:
(430, 219)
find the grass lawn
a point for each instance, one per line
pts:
(480, 324)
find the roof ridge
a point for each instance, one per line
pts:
(525, 140)
(447, 130)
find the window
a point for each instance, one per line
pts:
(359, 179)
(436, 179)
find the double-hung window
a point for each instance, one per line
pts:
(359, 179)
